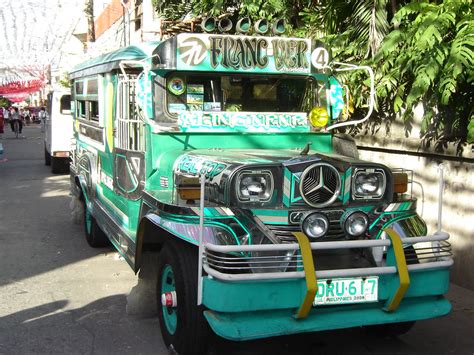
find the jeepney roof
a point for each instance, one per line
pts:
(110, 61)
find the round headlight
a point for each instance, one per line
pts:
(315, 225)
(356, 224)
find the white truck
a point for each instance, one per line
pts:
(58, 131)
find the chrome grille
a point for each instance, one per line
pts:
(285, 232)
(428, 252)
(320, 185)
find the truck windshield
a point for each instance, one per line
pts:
(246, 93)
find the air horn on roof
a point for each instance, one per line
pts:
(243, 26)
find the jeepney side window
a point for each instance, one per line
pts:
(93, 111)
(87, 99)
(81, 109)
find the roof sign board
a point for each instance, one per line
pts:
(256, 54)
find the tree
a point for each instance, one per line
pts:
(422, 53)
(429, 59)
(4, 102)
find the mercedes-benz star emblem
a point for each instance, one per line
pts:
(320, 184)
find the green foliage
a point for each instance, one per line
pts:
(422, 53)
(172, 9)
(4, 102)
(64, 81)
(255, 9)
(470, 131)
(430, 56)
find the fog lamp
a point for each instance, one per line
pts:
(319, 117)
(315, 225)
(356, 224)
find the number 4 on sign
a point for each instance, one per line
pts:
(320, 58)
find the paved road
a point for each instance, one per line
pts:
(59, 296)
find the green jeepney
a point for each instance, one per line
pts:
(214, 155)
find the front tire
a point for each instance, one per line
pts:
(95, 237)
(183, 327)
(47, 157)
(59, 165)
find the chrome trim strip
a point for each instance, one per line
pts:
(326, 274)
(346, 244)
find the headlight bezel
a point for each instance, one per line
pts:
(252, 173)
(381, 190)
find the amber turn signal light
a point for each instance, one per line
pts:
(400, 183)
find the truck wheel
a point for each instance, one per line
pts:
(182, 323)
(95, 237)
(390, 329)
(47, 157)
(59, 165)
(345, 145)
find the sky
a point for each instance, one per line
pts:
(32, 34)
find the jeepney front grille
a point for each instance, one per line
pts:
(255, 262)
(284, 232)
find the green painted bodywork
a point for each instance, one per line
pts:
(284, 294)
(135, 52)
(256, 325)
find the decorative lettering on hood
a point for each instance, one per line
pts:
(194, 165)
(243, 121)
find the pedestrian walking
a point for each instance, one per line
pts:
(26, 116)
(42, 117)
(2, 122)
(15, 116)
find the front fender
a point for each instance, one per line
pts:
(410, 226)
(81, 183)
(154, 231)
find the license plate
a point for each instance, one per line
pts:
(343, 291)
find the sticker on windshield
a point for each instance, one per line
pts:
(176, 86)
(212, 106)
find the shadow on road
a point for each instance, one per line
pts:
(36, 231)
(100, 327)
(103, 327)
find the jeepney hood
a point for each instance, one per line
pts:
(235, 157)
(223, 169)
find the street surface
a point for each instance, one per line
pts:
(59, 296)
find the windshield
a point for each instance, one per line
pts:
(233, 93)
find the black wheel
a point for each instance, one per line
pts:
(59, 165)
(47, 157)
(390, 329)
(183, 325)
(344, 144)
(95, 237)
